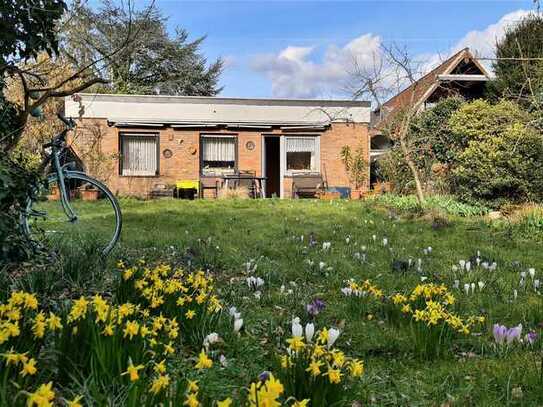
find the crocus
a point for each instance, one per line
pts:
(537, 284)
(315, 307)
(297, 329)
(333, 334)
(481, 285)
(466, 288)
(326, 246)
(385, 241)
(531, 272)
(499, 333)
(468, 265)
(309, 331)
(238, 323)
(531, 337)
(513, 333)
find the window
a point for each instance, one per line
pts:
(139, 154)
(218, 154)
(302, 154)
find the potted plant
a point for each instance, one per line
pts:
(89, 193)
(357, 169)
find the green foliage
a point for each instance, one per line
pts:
(444, 203)
(517, 79)
(433, 148)
(28, 27)
(16, 183)
(151, 62)
(355, 165)
(503, 156)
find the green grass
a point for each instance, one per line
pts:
(223, 236)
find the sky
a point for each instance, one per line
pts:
(302, 49)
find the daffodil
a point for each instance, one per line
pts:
(314, 368)
(334, 375)
(356, 368)
(75, 402)
(296, 343)
(190, 314)
(225, 403)
(42, 397)
(132, 371)
(29, 368)
(191, 400)
(160, 383)
(204, 362)
(192, 386)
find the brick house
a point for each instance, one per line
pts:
(145, 141)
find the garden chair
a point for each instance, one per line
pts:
(307, 186)
(213, 184)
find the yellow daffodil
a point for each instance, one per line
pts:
(191, 400)
(334, 375)
(192, 386)
(314, 368)
(160, 383)
(190, 314)
(29, 368)
(204, 362)
(225, 403)
(296, 343)
(42, 397)
(75, 402)
(131, 329)
(132, 371)
(356, 368)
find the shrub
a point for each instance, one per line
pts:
(503, 156)
(16, 183)
(433, 147)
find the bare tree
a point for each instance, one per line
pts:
(37, 90)
(391, 70)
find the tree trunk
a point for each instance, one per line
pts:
(414, 172)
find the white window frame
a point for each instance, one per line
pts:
(215, 171)
(317, 162)
(150, 173)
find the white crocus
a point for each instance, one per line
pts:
(321, 265)
(462, 264)
(456, 284)
(468, 265)
(333, 334)
(466, 288)
(347, 291)
(297, 329)
(515, 294)
(537, 284)
(309, 331)
(481, 285)
(238, 324)
(385, 241)
(232, 311)
(210, 339)
(472, 288)
(531, 272)
(326, 246)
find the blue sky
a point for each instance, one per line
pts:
(254, 36)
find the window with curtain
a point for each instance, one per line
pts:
(218, 154)
(302, 154)
(139, 154)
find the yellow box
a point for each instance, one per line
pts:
(187, 184)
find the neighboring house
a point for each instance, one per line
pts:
(154, 140)
(460, 75)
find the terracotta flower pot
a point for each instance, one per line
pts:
(90, 194)
(357, 194)
(55, 194)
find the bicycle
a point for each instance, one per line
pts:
(98, 221)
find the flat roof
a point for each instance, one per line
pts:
(201, 109)
(227, 100)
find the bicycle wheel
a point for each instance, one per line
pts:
(97, 221)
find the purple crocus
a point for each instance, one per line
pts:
(499, 332)
(502, 334)
(264, 376)
(531, 337)
(514, 333)
(315, 307)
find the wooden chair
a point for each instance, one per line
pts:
(209, 183)
(307, 186)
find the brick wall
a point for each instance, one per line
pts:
(185, 161)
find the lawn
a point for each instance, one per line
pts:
(306, 250)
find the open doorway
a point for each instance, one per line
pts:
(272, 166)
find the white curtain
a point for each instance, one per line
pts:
(301, 144)
(139, 155)
(218, 148)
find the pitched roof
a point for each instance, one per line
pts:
(425, 86)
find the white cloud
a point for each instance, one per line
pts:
(294, 73)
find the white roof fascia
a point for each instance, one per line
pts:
(189, 110)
